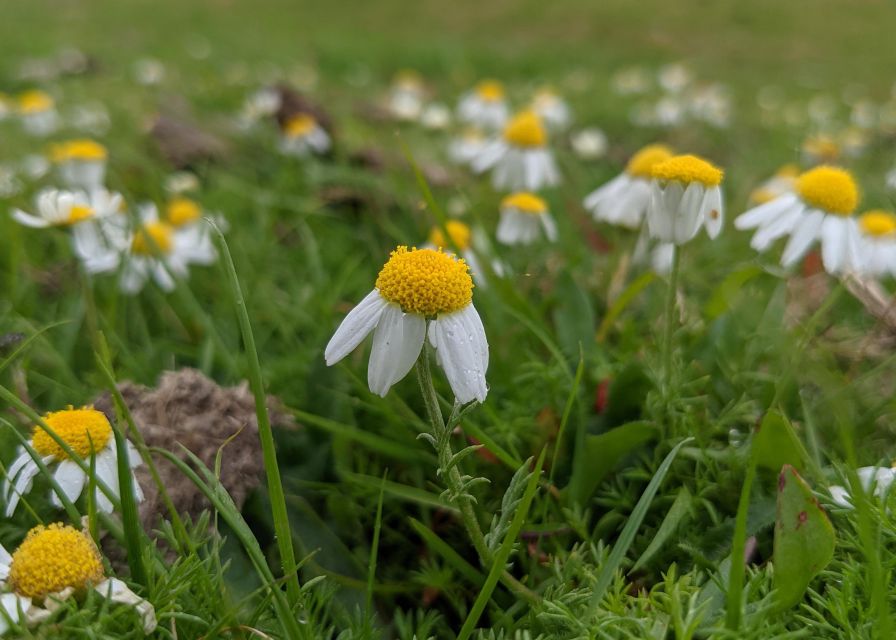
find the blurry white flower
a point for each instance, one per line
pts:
(854, 142)
(149, 71)
(631, 81)
(181, 182)
(589, 143)
(685, 193)
(35, 166)
(669, 111)
(418, 292)
(624, 199)
(864, 114)
(81, 163)
(303, 136)
(783, 182)
(91, 117)
(877, 478)
(38, 113)
(262, 103)
(524, 219)
(552, 109)
(436, 116)
(674, 77)
(659, 256)
(406, 95)
(712, 105)
(519, 159)
(877, 243)
(466, 147)
(485, 106)
(10, 185)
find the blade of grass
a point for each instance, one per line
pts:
(445, 550)
(374, 547)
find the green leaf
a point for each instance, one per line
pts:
(622, 302)
(670, 524)
(804, 538)
(721, 298)
(775, 443)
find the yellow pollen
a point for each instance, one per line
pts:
(77, 428)
(181, 211)
(788, 171)
(34, 102)
(160, 235)
(688, 169)
(425, 281)
(457, 231)
(78, 213)
(830, 189)
(300, 125)
(490, 91)
(83, 149)
(525, 202)
(878, 222)
(642, 162)
(53, 558)
(526, 130)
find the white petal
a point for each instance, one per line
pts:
(804, 234)
(29, 220)
(771, 230)
(713, 211)
(460, 341)
(758, 216)
(355, 326)
(608, 191)
(840, 496)
(107, 472)
(21, 460)
(833, 244)
(396, 346)
(71, 480)
(686, 218)
(550, 227)
(22, 485)
(115, 590)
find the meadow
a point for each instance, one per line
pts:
(688, 441)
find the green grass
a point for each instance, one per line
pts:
(381, 539)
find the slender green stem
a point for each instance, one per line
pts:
(738, 566)
(669, 328)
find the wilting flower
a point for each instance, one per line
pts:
(467, 146)
(877, 243)
(519, 158)
(685, 192)
(551, 108)
(52, 564)
(783, 182)
(88, 433)
(81, 163)
(877, 478)
(484, 106)
(589, 143)
(419, 292)
(302, 136)
(38, 112)
(405, 101)
(524, 219)
(624, 199)
(822, 206)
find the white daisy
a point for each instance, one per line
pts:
(467, 146)
(485, 106)
(38, 113)
(524, 219)
(81, 163)
(877, 478)
(303, 136)
(589, 143)
(551, 108)
(783, 182)
(877, 243)
(821, 207)
(685, 192)
(88, 433)
(658, 255)
(674, 77)
(624, 199)
(419, 292)
(435, 117)
(519, 158)
(406, 95)
(820, 149)
(55, 563)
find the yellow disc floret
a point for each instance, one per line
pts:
(425, 281)
(153, 237)
(78, 213)
(830, 189)
(84, 430)
(457, 231)
(642, 162)
(490, 91)
(526, 130)
(300, 125)
(878, 222)
(822, 147)
(525, 202)
(83, 149)
(688, 169)
(35, 101)
(54, 558)
(789, 170)
(181, 211)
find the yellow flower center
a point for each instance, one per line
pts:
(642, 162)
(181, 211)
(300, 125)
(788, 171)
(457, 231)
(878, 222)
(525, 202)
(490, 91)
(830, 189)
(688, 169)
(34, 102)
(78, 150)
(53, 558)
(425, 281)
(77, 428)
(153, 238)
(526, 130)
(78, 213)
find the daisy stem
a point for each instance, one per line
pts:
(442, 439)
(670, 323)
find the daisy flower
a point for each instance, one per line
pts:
(551, 108)
(262, 103)
(524, 219)
(820, 149)
(435, 117)
(674, 77)
(519, 158)
(88, 434)
(589, 143)
(54, 563)
(405, 101)
(485, 106)
(419, 292)
(467, 146)
(821, 207)
(38, 113)
(81, 163)
(783, 182)
(685, 192)
(877, 242)
(877, 478)
(461, 239)
(624, 199)
(302, 136)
